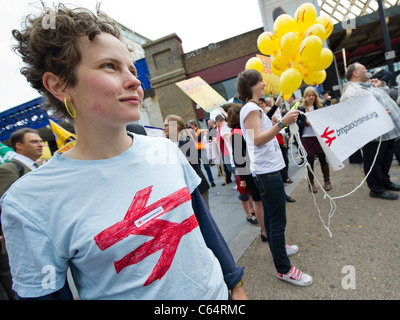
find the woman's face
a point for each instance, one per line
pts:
(166, 128)
(171, 129)
(310, 98)
(108, 91)
(258, 90)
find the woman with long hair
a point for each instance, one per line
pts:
(312, 102)
(266, 161)
(175, 130)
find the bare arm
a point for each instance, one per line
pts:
(253, 126)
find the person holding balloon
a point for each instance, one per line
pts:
(266, 161)
(312, 102)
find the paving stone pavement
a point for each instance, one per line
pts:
(360, 260)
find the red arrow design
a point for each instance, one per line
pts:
(326, 136)
(141, 220)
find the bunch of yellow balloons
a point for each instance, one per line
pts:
(296, 49)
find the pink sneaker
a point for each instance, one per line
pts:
(296, 277)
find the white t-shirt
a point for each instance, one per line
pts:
(308, 131)
(26, 161)
(225, 130)
(125, 226)
(268, 157)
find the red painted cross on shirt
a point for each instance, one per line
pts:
(141, 220)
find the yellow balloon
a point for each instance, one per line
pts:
(327, 23)
(323, 61)
(267, 43)
(290, 44)
(280, 62)
(304, 70)
(254, 63)
(290, 80)
(315, 77)
(287, 95)
(283, 24)
(275, 71)
(310, 48)
(305, 16)
(317, 30)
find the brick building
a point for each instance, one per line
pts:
(218, 64)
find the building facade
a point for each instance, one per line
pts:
(218, 64)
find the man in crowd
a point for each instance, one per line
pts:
(378, 180)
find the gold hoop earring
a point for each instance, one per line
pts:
(66, 107)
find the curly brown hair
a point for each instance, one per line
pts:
(55, 49)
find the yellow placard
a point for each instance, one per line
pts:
(271, 81)
(201, 93)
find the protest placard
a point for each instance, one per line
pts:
(202, 93)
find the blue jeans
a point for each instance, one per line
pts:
(273, 198)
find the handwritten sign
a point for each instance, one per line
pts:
(201, 93)
(271, 80)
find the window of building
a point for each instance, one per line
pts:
(226, 88)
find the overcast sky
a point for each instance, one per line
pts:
(197, 23)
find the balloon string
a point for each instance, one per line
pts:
(294, 134)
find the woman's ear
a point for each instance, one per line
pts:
(54, 85)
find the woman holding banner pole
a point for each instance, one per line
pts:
(312, 102)
(266, 161)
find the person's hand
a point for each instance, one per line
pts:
(290, 117)
(279, 99)
(239, 294)
(376, 82)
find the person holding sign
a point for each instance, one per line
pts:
(378, 180)
(266, 161)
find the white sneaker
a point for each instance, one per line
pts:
(291, 250)
(296, 277)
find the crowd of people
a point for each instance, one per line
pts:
(128, 209)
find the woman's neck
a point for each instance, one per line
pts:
(253, 100)
(98, 145)
(308, 105)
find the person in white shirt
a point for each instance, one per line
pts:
(266, 161)
(312, 102)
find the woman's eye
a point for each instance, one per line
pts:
(109, 66)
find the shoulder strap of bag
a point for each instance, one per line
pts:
(20, 167)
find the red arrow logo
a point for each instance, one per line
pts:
(326, 136)
(141, 220)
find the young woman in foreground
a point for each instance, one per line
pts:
(266, 162)
(121, 210)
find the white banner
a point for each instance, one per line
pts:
(345, 127)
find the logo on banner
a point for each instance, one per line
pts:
(327, 137)
(141, 219)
